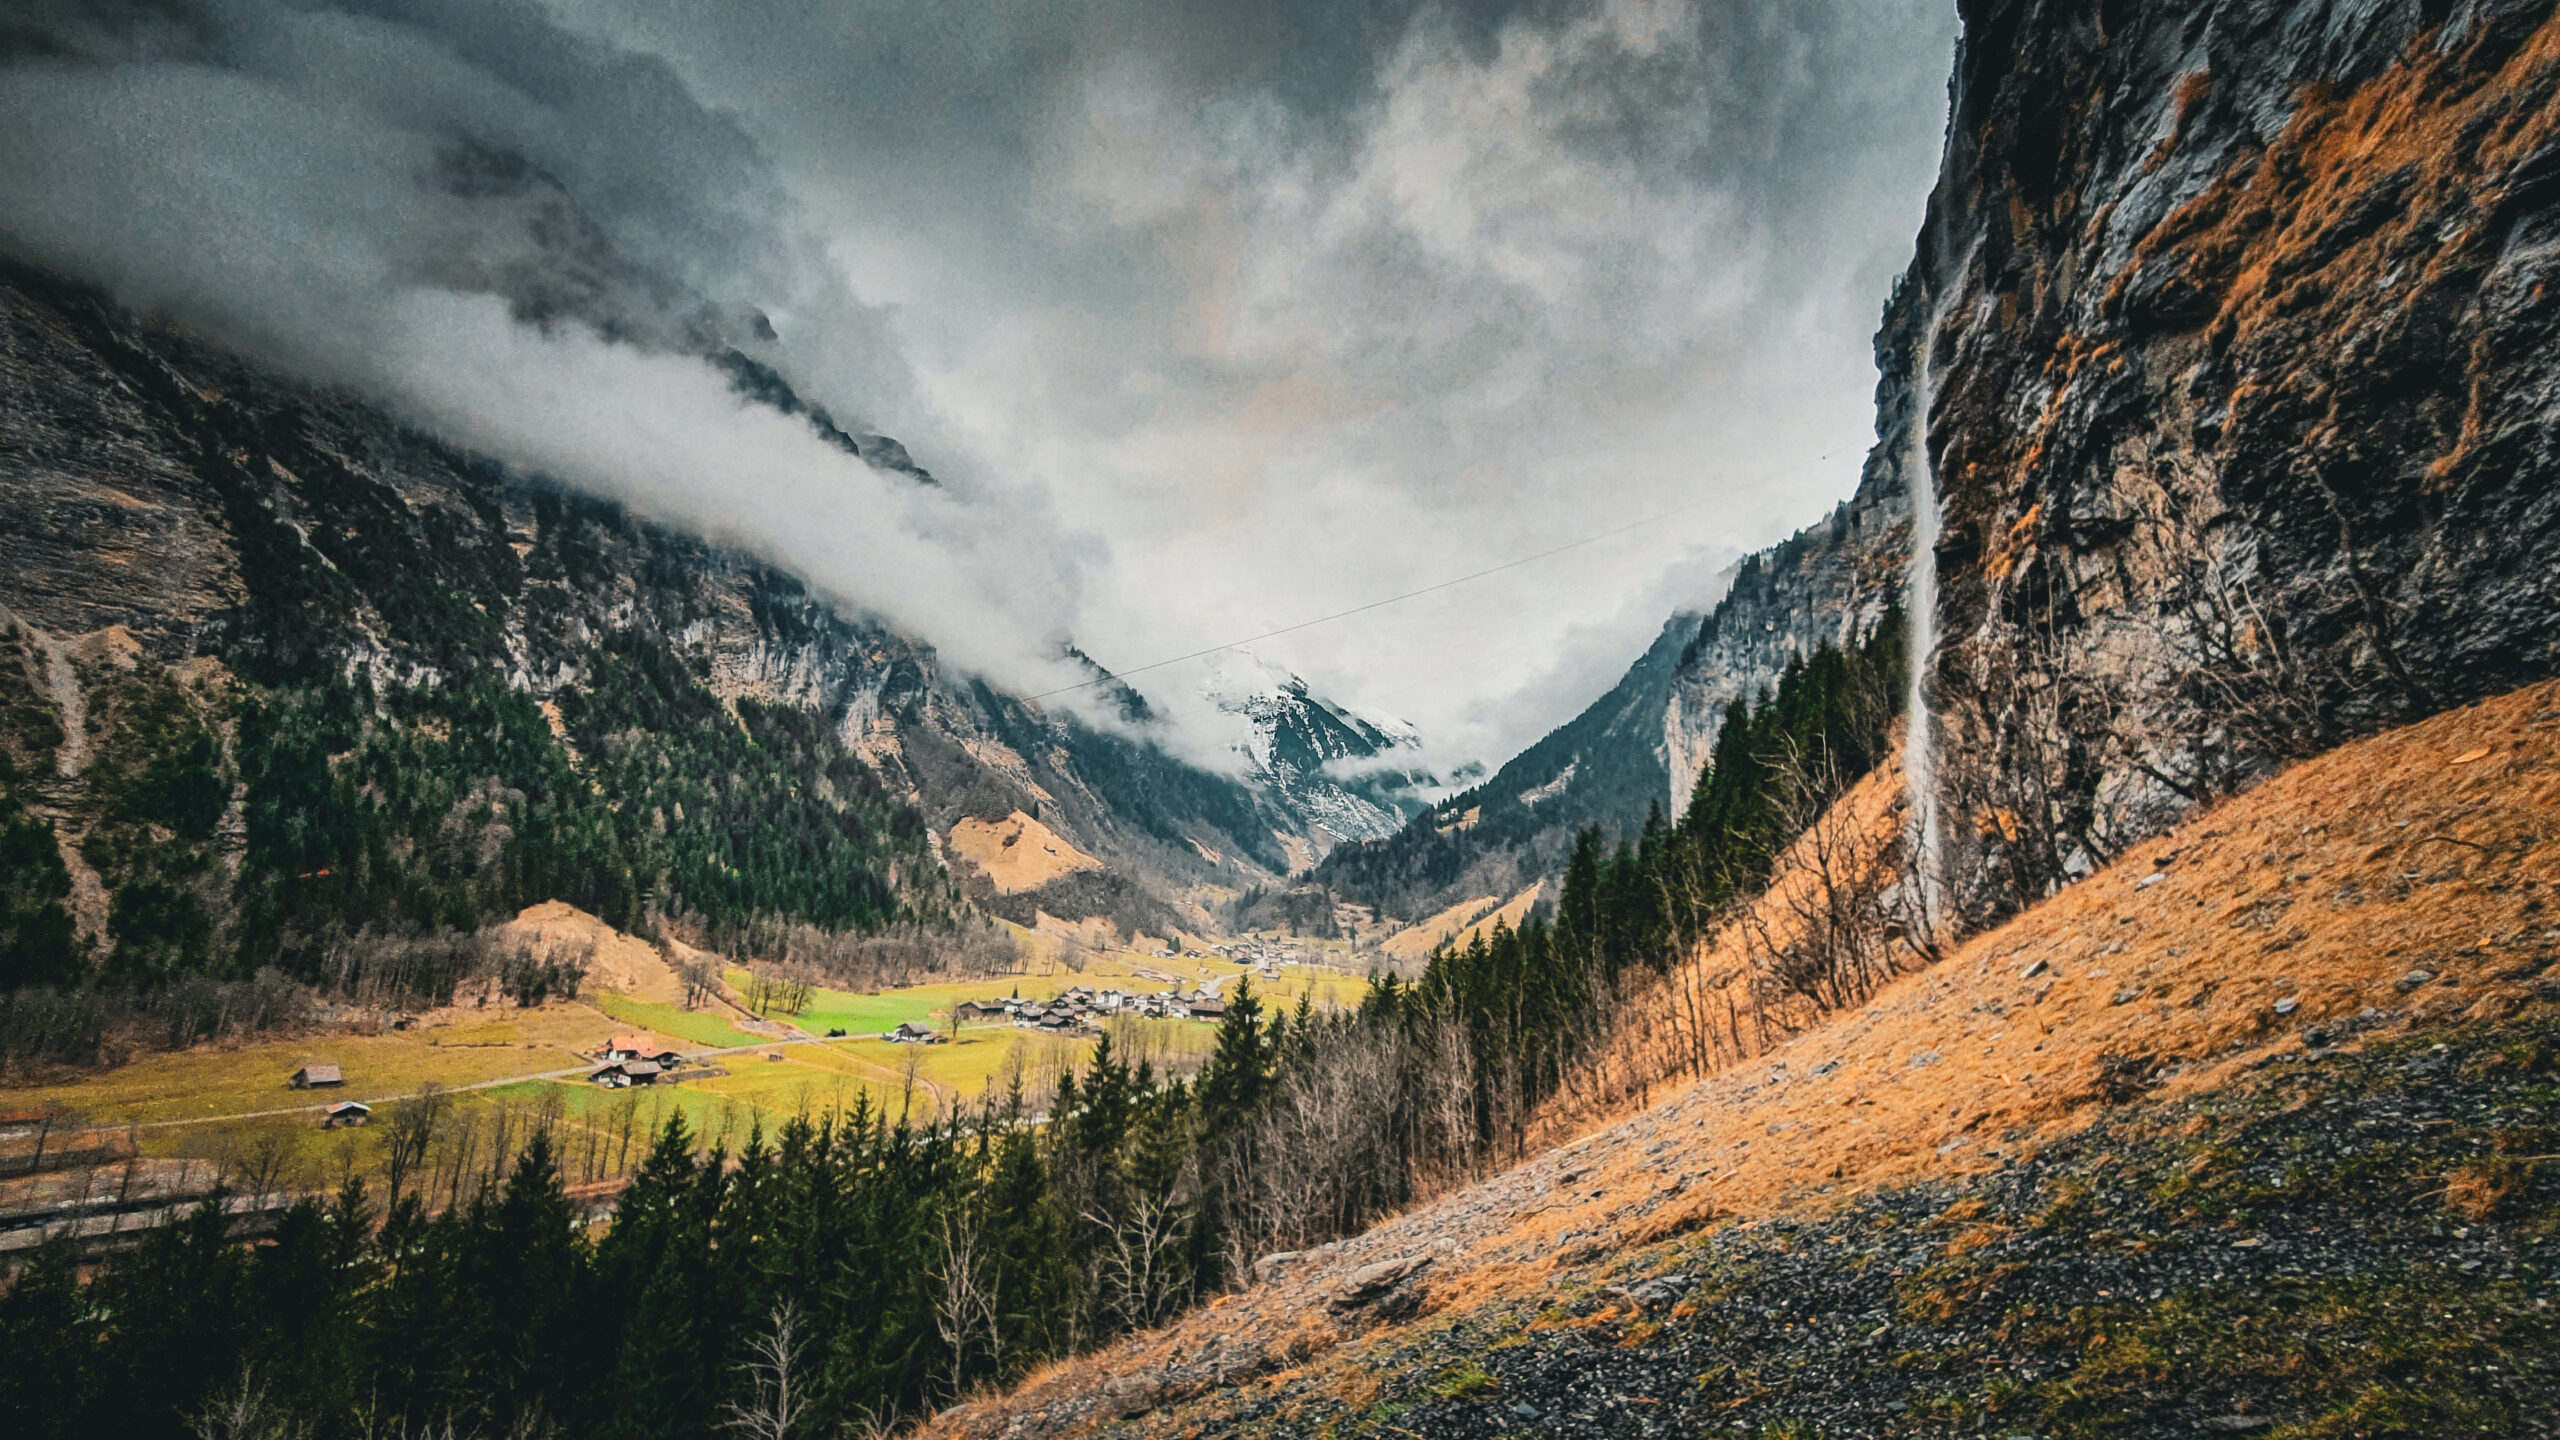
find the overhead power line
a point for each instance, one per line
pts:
(1594, 539)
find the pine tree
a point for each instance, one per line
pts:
(1240, 1067)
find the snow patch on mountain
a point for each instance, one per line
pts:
(1348, 773)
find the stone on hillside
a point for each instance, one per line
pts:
(1371, 1283)
(1130, 1396)
(1660, 1290)
(2414, 979)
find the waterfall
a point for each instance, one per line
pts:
(1918, 745)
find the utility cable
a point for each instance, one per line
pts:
(1653, 519)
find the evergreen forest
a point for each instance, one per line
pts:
(854, 1269)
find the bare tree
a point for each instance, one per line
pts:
(1138, 1279)
(414, 1122)
(772, 1373)
(244, 1412)
(264, 1164)
(701, 981)
(788, 986)
(910, 1074)
(965, 1288)
(1822, 937)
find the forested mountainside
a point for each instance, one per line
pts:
(2245, 349)
(277, 669)
(1646, 743)
(1600, 768)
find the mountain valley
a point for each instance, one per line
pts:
(2065, 945)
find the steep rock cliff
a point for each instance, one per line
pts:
(2246, 406)
(2241, 321)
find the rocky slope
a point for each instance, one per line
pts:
(2241, 319)
(2248, 1130)
(189, 539)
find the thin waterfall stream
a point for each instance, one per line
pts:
(1918, 744)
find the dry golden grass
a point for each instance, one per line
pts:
(618, 962)
(1018, 853)
(453, 1048)
(1511, 913)
(2327, 885)
(1704, 1014)
(1416, 941)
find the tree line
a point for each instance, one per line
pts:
(855, 1269)
(844, 1272)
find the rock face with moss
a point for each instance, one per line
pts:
(277, 670)
(2245, 356)
(2247, 395)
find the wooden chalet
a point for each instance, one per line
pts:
(314, 1077)
(623, 1074)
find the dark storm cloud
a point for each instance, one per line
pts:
(1284, 307)
(525, 237)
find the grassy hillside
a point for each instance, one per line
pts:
(2250, 1132)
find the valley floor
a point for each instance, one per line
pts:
(2254, 1132)
(163, 1128)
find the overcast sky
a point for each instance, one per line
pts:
(1214, 317)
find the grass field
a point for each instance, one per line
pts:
(702, 1027)
(1333, 989)
(871, 1014)
(225, 1102)
(963, 1068)
(212, 1081)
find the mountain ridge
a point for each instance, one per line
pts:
(299, 542)
(1645, 741)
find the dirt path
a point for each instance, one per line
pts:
(576, 1070)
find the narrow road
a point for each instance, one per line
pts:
(578, 1070)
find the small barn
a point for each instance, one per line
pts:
(912, 1033)
(345, 1114)
(315, 1077)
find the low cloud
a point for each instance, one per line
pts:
(1213, 316)
(529, 243)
